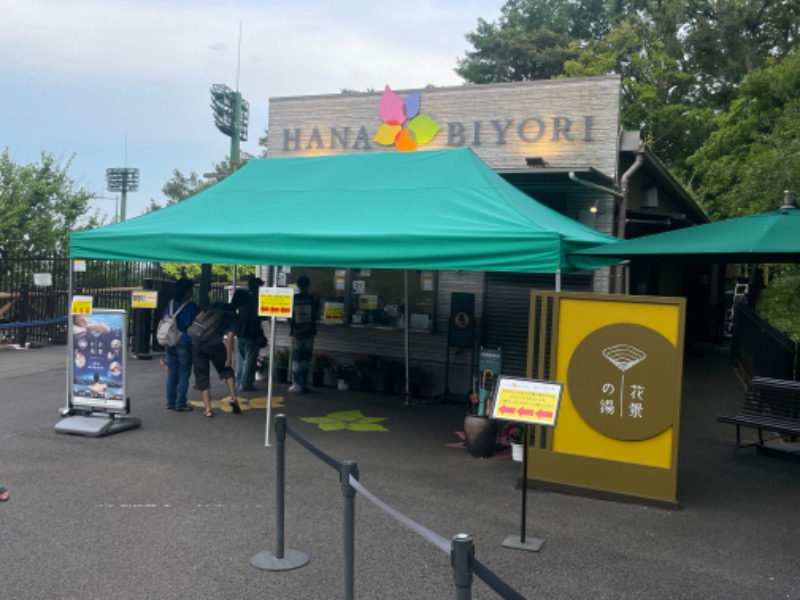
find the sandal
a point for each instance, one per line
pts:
(4, 495)
(208, 414)
(237, 410)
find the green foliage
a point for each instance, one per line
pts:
(344, 371)
(368, 364)
(529, 41)
(779, 303)
(754, 154)
(680, 62)
(321, 362)
(39, 205)
(221, 273)
(282, 356)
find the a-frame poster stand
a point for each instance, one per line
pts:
(97, 404)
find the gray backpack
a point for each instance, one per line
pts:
(167, 333)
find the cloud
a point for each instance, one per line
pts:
(86, 73)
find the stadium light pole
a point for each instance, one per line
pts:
(122, 180)
(231, 116)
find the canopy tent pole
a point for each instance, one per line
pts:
(66, 410)
(558, 280)
(271, 363)
(407, 337)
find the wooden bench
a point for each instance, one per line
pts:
(769, 405)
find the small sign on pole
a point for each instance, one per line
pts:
(275, 302)
(144, 299)
(529, 402)
(81, 305)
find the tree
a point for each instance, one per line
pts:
(182, 186)
(655, 90)
(724, 40)
(680, 61)
(529, 41)
(40, 205)
(754, 154)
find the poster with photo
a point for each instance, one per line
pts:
(97, 371)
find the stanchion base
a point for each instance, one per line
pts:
(530, 544)
(268, 562)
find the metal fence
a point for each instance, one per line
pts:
(37, 313)
(757, 348)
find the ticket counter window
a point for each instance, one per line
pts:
(371, 297)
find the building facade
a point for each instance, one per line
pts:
(559, 141)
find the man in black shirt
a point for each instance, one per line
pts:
(249, 338)
(303, 327)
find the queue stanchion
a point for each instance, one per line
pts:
(281, 559)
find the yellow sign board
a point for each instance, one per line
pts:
(275, 302)
(368, 302)
(620, 359)
(144, 299)
(527, 401)
(333, 313)
(81, 305)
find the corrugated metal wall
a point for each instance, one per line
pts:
(507, 303)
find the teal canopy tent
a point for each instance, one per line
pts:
(770, 237)
(435, 210)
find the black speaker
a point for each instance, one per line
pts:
(461, 332)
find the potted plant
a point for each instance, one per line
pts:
(261, 367)
(282, 365)
(393, 373)
(320, 363)
(344, 373)
(514, 435)
(367, 366)
(419, 378)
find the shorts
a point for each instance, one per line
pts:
(202, 355)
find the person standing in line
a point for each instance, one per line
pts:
(179, 357)
(214, 351)
(249, 339)
(303, 328)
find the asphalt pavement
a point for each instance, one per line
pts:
(177, 508)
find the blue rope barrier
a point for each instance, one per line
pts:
(19, 324)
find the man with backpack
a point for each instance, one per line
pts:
(181, 312)
(212, 334)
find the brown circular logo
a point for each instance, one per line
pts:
(621, 379)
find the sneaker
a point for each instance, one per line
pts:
(296, 389)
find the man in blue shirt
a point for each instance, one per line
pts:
(179, 357)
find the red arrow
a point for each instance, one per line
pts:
(544, 413)
(525, 411)
(506, 409)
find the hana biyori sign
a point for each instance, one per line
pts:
(562, 121)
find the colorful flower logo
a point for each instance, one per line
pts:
(403, 126)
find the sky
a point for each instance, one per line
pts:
(126, 83)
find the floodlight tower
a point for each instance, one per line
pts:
(231, 116)
(122, 180)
